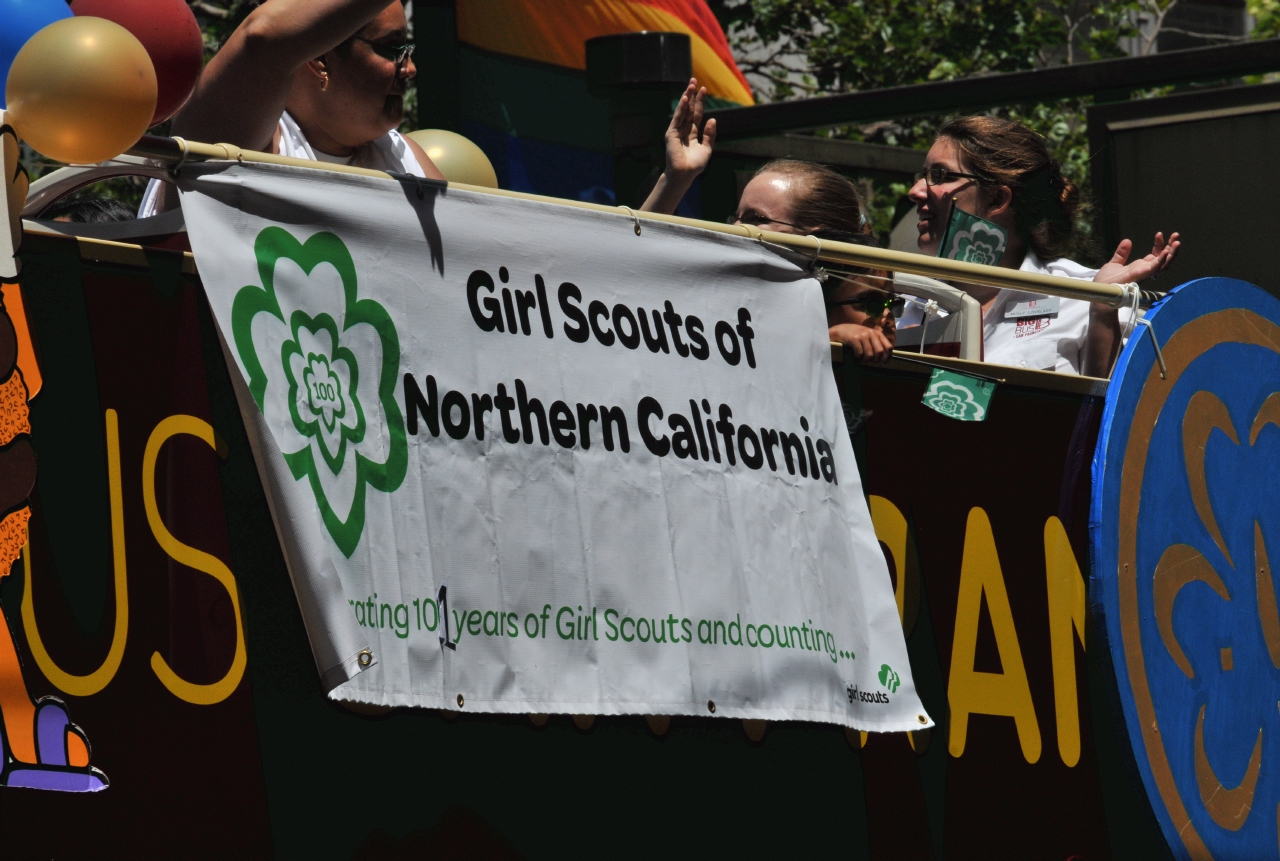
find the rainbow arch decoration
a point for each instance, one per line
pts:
(554, 32)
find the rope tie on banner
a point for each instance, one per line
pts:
(635, 218)
(1133, 299)
(813, 264)
(821, 273)
(930, 308)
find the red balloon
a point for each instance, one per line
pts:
(169, 32)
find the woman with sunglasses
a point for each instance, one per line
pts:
(316, 79)
(1001, 171)
(790, 196)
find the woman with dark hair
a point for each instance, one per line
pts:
(791, 196)
(1001, 171)
(316, 79)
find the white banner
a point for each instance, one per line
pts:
(525, 457)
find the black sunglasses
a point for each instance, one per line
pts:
(873, 304)
(398, 54)
(937, 175)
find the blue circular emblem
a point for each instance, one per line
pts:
(1185, 519)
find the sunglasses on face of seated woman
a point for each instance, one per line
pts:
(398, 54)
(873, 304)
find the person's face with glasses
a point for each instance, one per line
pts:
(368, 75)
(861, 303)
(942, 182)
(768, 202)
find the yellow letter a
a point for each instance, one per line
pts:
(971, 692)
(1066, 618)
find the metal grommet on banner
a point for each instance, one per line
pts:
(459, 700)
(365, 659)
(922, 719)
(634, 217)
(711, 706)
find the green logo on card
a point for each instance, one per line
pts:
(334, 362)
(972, 239)
(958, 396)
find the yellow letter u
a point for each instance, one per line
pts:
(86, 686)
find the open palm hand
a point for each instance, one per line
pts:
(1120, 270)
(688, 140)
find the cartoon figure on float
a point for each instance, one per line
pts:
(79, 90)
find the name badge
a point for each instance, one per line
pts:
(1041, 307)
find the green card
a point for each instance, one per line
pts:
(958, 396)
(972, 239)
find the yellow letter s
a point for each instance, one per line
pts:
(192, 558)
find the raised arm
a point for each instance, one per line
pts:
(688, 145)
(242, 92)
(1102, 344)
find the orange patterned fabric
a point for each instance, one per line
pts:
(13, 535)
(15, 417)
(12, 294)
(554, 31)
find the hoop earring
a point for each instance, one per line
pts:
(324, 81)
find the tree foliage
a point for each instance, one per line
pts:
(823, 46)
(1266, 14)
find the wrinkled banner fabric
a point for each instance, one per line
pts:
(522, 459)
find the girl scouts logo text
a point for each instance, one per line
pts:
(323, 366)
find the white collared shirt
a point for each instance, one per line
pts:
(1014, 334)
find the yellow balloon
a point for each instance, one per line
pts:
(458, 158)
(81, 90)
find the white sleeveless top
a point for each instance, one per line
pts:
(390, 152)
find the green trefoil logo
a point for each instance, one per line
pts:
(958, 396)
(889, 678)
(322, 365)
(972, 239)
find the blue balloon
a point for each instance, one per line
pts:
(19, 21)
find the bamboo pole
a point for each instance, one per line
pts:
(177, 151)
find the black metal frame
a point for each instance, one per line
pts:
(1110, 79)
